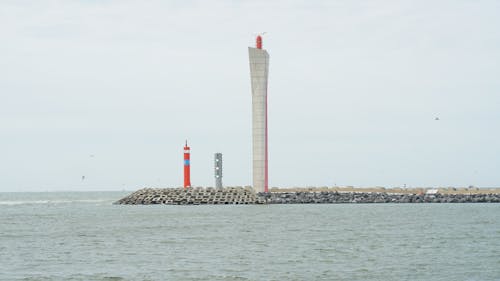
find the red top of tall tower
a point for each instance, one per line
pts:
(259, 42)
(186, 147)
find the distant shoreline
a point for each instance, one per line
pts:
(344, 189)
(395, 190)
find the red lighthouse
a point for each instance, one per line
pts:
(187, 172)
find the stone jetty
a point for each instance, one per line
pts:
(323, 197)
(246, 195)
(192, 196)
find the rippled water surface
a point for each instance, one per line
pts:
(82, 236)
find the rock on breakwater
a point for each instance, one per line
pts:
(364, 197)
(192, 196)
(246, 195)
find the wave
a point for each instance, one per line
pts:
(54, 202)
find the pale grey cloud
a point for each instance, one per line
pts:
(354, 90)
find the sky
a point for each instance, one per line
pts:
(110, 90)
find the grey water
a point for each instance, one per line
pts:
(82, 236)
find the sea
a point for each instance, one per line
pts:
(83, 236)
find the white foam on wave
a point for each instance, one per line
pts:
(53, 202)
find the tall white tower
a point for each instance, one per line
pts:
(259, 68)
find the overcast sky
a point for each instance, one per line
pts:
(110, 90)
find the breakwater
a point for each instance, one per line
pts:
(246, 195)
(325, 197)
(192, 196)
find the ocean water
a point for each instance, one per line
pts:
(82, 236)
